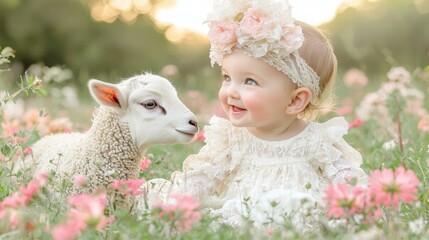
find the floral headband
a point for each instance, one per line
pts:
(262, 29)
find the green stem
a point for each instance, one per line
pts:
(401, 144)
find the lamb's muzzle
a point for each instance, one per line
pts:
(190, 130)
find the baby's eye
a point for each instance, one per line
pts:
(250, 82)
(226, 78)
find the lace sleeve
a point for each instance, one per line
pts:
(203, 171)
(337, 160)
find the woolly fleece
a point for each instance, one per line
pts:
(106, 152)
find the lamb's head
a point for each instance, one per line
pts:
(150, 106)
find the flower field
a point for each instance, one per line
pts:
(389, 126)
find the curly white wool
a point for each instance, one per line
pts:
(106, 152)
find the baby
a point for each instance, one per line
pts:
(276, 73)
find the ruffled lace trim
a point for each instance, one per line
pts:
(216, 133)
(332, 144)
(293, 149)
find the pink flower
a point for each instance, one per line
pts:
(342, 200)
(423, 124)
(67, 231)
(31, 117)
(253, 24)
(79, 180)
(388, 187)
(25, 193)
(9, 128)
(27, 151)
(355, 77)
(30, 190)
(11, 215)
(128, 187)
(42, 177)
(356, 123)
(144, 164)
(292, 38)
(14, 201)
(222, 34)
(344, 110)
(89, 210)
(91, 205)
(10, 131)
(181, 210)
(199, 137)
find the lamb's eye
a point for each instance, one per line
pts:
(149, 104)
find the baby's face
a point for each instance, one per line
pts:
(254, 94)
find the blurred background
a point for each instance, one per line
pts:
(68, 42)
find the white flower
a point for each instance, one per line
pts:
(417, 226)
(389, 145)
(273, 206)
(227, 9)
(371, 103)
(400, 75)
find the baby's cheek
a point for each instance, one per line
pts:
(255, 103)
(223, 97)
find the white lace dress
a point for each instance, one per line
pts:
(234, 165)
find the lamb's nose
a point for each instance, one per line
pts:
(193, 123)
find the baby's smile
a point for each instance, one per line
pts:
(237, 110)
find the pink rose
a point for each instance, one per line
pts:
(252, 24)
(292, 38)
(222, 34)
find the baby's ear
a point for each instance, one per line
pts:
(301, 97)
(107, 94)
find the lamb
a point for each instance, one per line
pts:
(137, 113)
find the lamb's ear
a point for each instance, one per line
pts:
(107, 94)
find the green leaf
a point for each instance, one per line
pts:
(5, 149)
(42, 92)
(33, 137)
(30, 79)
(4, 191)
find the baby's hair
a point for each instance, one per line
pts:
(317, 51)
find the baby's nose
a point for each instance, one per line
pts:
(234, 91)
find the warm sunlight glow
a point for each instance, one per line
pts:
(190, 14)
(186, 14)
(316, 12)
(127, 10)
